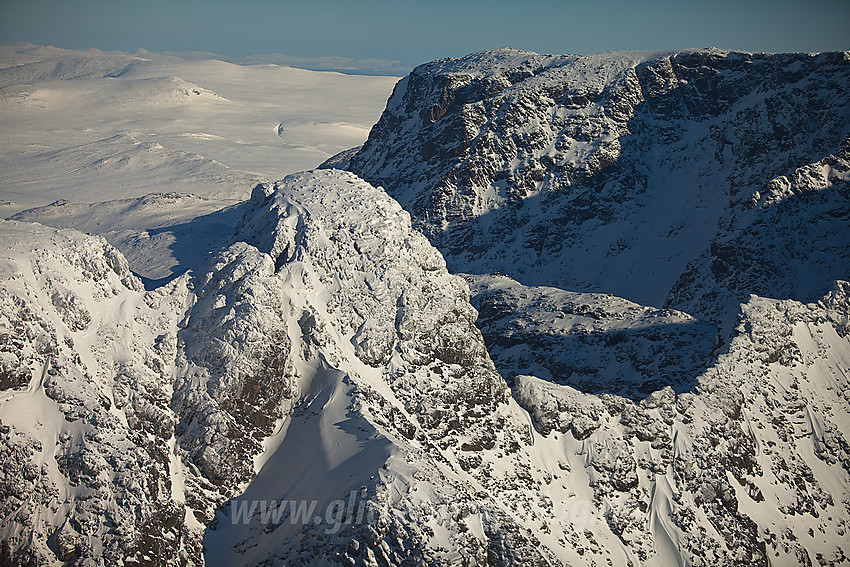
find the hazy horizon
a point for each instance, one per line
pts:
(397, 36)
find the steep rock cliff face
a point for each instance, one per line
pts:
(86, 419)
(602, 173)
(790, 241)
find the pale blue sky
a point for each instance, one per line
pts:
(415, 32)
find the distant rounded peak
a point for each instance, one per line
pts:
(58, 207)
(91, 53)
(45, 50)
(144, 53)
(23, 46)
(171, 88)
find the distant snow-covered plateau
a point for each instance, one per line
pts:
(530, 310)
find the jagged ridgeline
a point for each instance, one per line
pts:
(325, 356)
(655, 243)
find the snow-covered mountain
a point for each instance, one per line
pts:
(643, 359)
(713, 184)
(611, 173)
(325, 356)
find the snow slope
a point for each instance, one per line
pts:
(90, 126)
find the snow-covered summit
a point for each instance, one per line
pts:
(327, 333)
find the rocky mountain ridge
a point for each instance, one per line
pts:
(314, 338)
(711, 183)
(573, 171)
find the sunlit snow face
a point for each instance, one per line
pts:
(95, 127)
